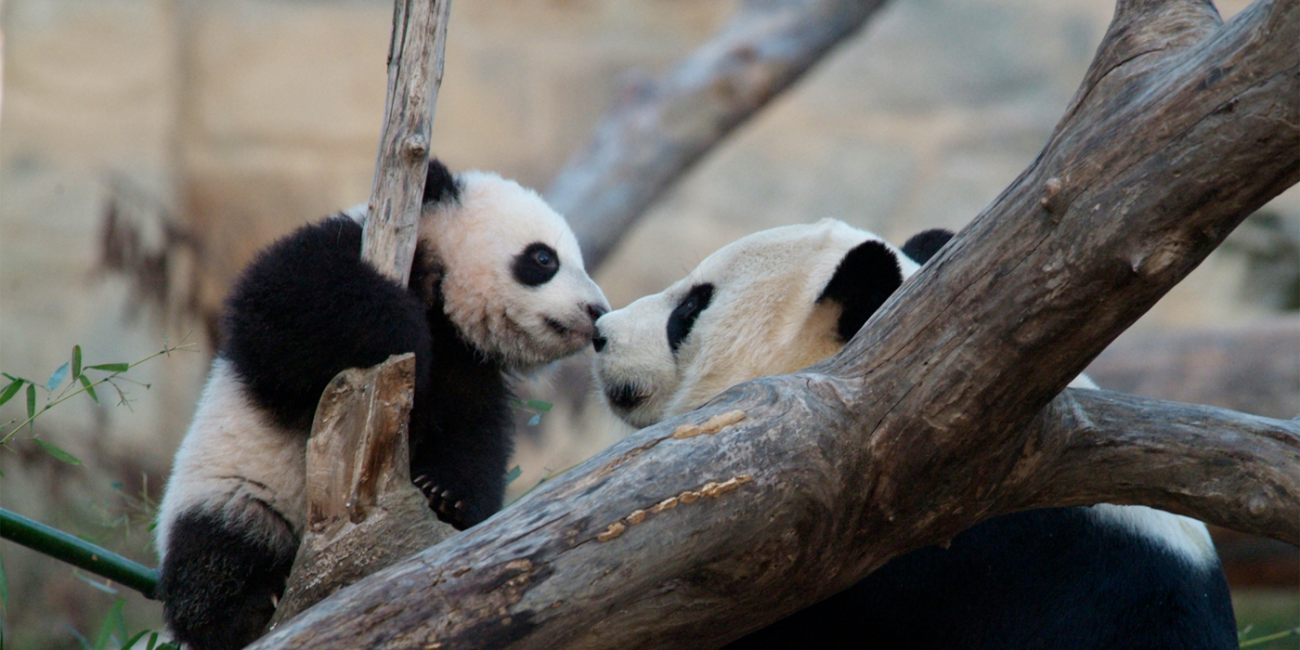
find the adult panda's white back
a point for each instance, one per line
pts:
(1104, 577)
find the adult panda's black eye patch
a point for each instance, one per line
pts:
(536, 265)
(684, 314)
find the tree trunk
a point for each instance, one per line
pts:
(933, 418)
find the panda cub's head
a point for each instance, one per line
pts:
(505, 267)
(770, 303)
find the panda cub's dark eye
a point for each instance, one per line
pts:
(683, 317)
(536, 265)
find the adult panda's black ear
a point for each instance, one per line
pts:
(439, 184)
(923, 245)
(862, 282)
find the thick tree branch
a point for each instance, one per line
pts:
(921, 427)
(662, 127)
(1089, 439)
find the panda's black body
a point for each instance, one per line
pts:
(1098, 578)
(308, 308)
(1055, 579)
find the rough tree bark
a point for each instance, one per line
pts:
(363, 511)
(936, 416)
(661, 127)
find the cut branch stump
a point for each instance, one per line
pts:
(364, 514)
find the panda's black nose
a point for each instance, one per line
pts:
(598, 341)
(596, 311)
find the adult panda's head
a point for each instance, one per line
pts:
(506, 269)
(770, 303)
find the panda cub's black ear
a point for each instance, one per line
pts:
(439, 184)
(923, 245)
(862, 282)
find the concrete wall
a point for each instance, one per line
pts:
(216, 127)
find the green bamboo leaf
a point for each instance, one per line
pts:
(111, 367)
(135, 639)
(94, 583)
(54, 451)
(153, 639)
(31, 401)
(540, 405)
(11, 390)
(57, 378)
(4, 588)
(76, 361)
(513, 474)
(90, 390)
(112, 622)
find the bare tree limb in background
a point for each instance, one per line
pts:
(933, 418)
(1253, 368)
(662, 127)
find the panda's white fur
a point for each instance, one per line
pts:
(763, 319)
(497, 286)
(767, 314)
(471, 238)
(230, 456)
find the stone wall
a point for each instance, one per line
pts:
(212, 128)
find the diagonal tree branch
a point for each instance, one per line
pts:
(663, 127)
(921, 427)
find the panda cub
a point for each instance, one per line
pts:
(497, 286)
(1102, 577)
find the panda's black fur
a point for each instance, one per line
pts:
(1056, 579)
(288, 332)
(304, 310)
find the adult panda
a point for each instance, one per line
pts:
(1102, 577)
(497, 286)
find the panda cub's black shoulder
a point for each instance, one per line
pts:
(308, 308)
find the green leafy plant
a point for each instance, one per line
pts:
(74, 380)
(536, 406)
(67, 381)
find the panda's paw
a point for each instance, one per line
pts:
(447, 505)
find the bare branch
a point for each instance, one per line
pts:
(1237, 470)
(662, 127)
(363, 511)
(415, 63)
(921, 427)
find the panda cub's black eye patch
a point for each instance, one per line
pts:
(536, 265)
(683, 317)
